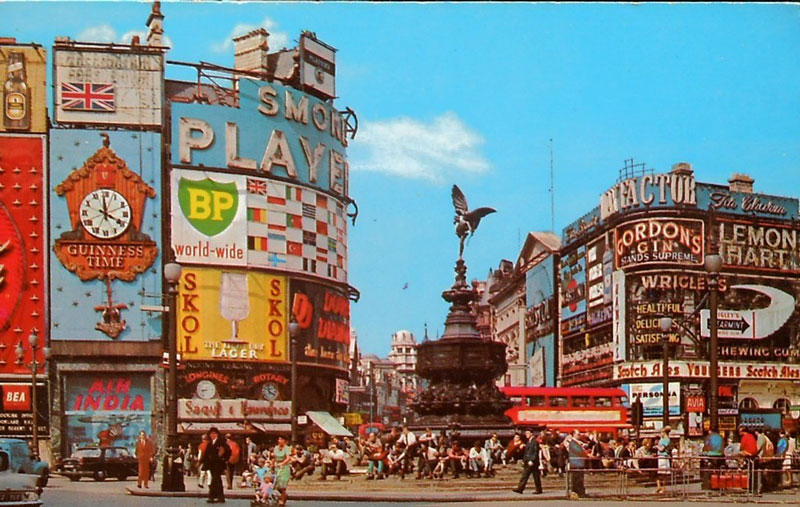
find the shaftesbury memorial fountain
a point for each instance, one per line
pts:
(461, 367)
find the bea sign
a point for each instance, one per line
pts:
(16, 398)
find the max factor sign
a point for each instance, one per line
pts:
(649, 190)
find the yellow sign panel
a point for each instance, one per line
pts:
(232, 315)
(23, 81)
(352, 419)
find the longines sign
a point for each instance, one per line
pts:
(700, 370)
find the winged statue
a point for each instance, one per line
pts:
(466, 221)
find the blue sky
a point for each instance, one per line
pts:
(471, 94)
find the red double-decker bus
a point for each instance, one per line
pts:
(602, 410)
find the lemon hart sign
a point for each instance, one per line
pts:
(104, 241)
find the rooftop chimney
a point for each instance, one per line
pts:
(155, 26)
(740, 182)
(250, 51)
(8, 40)
(682, 168)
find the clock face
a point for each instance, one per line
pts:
(270, 392)
(105, 214)
(206, 390)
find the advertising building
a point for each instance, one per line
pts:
(639, 256)
(105, 196)
(258, 185)
(23, 240)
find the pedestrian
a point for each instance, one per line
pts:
(189, 461)
(144, 454)
(530, 464)
(283, 459)
(577, 464)
(233, 461)
(203, 474)
(215, 459)
(664, 448)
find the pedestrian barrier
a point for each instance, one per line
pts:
(680, 477)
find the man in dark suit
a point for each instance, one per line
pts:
(215, 459)
(531, 465)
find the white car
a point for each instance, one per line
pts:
(17, 490)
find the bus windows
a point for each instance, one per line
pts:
(580, 401)
(558, 401)
(536, 401)
(602, 401)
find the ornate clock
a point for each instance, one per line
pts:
(105, 214)
(270, 392)
(206, 390)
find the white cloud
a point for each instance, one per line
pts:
(410, 148)
(277, 39)
(107, 33)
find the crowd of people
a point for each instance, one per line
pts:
(402, 453)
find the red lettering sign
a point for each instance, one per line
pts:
(695, 403)
(16, 398)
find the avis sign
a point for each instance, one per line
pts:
(209, 218)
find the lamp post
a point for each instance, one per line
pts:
(33, 341)
(294, 330)
(665, 324)
(713, 265)
(172, 478)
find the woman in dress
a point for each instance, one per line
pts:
(664, 464)
(283, 458)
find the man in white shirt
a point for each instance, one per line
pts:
(409, 441)
(333, 463)
(478, 460)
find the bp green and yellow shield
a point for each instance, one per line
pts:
(210, 206)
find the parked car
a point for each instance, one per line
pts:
(17, 490)
(22, 461)
(99, 463)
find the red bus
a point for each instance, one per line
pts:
(603, 410)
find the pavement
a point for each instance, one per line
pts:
(355, 488)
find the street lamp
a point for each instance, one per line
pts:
(713, 265)
(665, 324)
(33, 341)
(294, 330)
(172, 478)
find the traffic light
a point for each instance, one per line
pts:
(637, 413)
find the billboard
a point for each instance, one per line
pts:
(573, 291)
(231, 380)
(317, 65)
(765, 247)
(232, 315)
(649, 191)
(106, 409)
(16, 419)
(720, 198)
(235, 220)
(276, 131)
(23, 84)
(23, 240)
(584, 225)
(652, 397)
(659, 241)
(108, 87)
(324, 317)
(599, 269)
(104, 223)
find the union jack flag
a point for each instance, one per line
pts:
(87, 97)
(256, 186)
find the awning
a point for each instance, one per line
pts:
(272, 427)
(328, 424)
(223, 427)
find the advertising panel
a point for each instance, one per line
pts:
(317, 65)
(619, 302)
(23, 84)
(206, 380)
(324, 317)
(232, 315)
(652, 397)
(540, 298)
(23, 240)
(228, 219)
(107, 409)
(122, 87)
(584, 225)
(276, 131)
(16, 419)
(341, 393)
(720, 198)
(104, 222)
(599, 269)
(649, 191)
(237, 409)
(759, 247)
(700, 370)
(659, 241)
(573, 291)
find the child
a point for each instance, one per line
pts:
(265, 491)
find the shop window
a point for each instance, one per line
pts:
(783, 405)
(748, 403)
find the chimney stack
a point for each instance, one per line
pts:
(741, 182)
(155, 26)
(250, 51)
(682, 168)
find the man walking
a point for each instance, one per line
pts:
(531, 465)
(145, 450)
(215, 460)
(233, 461)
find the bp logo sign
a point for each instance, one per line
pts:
(208, 205)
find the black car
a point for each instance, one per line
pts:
(99, 463)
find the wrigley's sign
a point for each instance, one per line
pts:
(701, 370)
